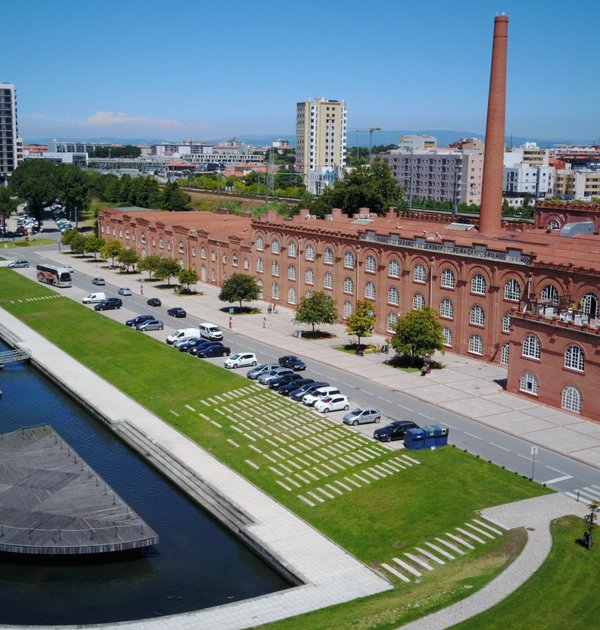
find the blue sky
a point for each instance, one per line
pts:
(206, 69)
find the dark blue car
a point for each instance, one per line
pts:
(297, 394)
(293, 362)
(286, 390)
(216, 350)
(276, 383)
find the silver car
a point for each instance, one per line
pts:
(264, 379)
(362, 415)
(151, 324)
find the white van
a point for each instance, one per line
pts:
(311, 399)
(210, 331)
(183, 334)
(94, 298)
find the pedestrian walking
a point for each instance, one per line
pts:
(264, 322)
(230, 323)
(142, 289)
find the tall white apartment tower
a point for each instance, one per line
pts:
(320, 142)
(9, 140)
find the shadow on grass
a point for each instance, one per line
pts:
(316, 334)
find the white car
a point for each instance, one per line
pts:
(310, 399)
(338, 402)
(241, 359)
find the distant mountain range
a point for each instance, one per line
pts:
(355, 138)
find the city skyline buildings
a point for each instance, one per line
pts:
(397, 67)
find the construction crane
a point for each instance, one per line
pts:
(370, 130)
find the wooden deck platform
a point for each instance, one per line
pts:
(52, 502)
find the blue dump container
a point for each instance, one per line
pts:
(414, 439)
(441, 434)
(429, 436)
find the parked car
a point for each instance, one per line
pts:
(124, 291)
(255, 372)
(298, 394)
(20, 262)
(310, 399)
(109, 304)
(153, 302)
(100, 282)
(70, 268)
(176, 311)
(150, 324)
(201, 345)
(138, 320)
(395, 430)
(185, 344)
(286, 390)
(293, 362)
(241, 359)
(332, 403)
(276, 383)
(215, 350)
(264, 379)
(362, 415)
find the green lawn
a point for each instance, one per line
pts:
(375, 521)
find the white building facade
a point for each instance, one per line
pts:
(11, 146)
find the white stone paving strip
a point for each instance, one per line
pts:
(430, 555)
(441, 551)
(394, 572)
(174, 413)
(190, 407)
(251, 463)
(487, 526)
(481, 531)
(307, 501)
(414, 461)
(448, 544)
(407, 567)
(233, 443)
(419, 561)
(464, 532)
(216, 424)
(460, 540)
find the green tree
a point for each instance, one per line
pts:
(110, 188)
(78, 243)
(35, 181)
(287, 179)
(149, 264)
(111, 249)
(173, 198)
(317, 308)
(125, 185)
(167, 269)
(362, 321)
(93, 245)
(187, 277)
(8, 202)
(418, 334)
(150, 193)
(73, 188)
(129, 258)
(68, 236)
(239, 287)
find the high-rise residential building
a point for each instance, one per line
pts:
(320, 141)
(10, 143)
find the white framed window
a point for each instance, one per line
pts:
(328, 281)
(553, 224)
(193, 252)
(275, 291)
(291, 295)
(348, 286)
(478, 284)
(143, 238)
(347, 311)
(213, 255)
(260, 244)
(292, 249)
(477, 316)
(260, 285)
(260, 265)
(349, 260)
(310, 252)
(169, 246)
(446, 309)
(589, 304)
(370, 291)
(370, 264)
(275, 246)
(246, 264)
(418, 302)
(447, 336)
(531, 347)
(203, 253)
(475, 345)
(235, 261)
(328, 258)
(393, 296)
(224, 259)
(529, 383)
(394, 268)
(181, 247)
(571, 399)
(550, 294)
(291, 272)
(275, 268)
(448, 279)
(506, 322)
(512, 290)
(161, 243)
(419, 273)
(505, 354)
(203, 273)
(392, 320)
(574, 358)
(309, 276)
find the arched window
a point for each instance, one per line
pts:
(512, 290)
(394, 268)
(310, 252)
(193, 252)
(203, 273)
(550, 294)
(203, 253)
(418, 302)
(347, 309)
(446, 309)
(392, 320)
(235, 261)
(553, 224)
(571, 399)
(291, 272)
(531, 347)
(370, 264)
(505, 354)
(161, 243)
(291, 295)
(529, 383)
(328, 281)
(393, 296)
(260, 244)
(181, 247)
(575, 358)
(213, 255)
(476, 345)
(328, 258)
(447, 336)
(169, 246)
(224, 259)
(478, 284)
(477, 316)
(506, 322)
(275, 246)
(275, 291)
(348, 286)
(419, 273)
(260, 265)
(370, 291)
(448, 279)
(292, 249)
(589, 304)
(246, 264)
(349, 260)
(275, 268)
(143, 238)
(309, 276)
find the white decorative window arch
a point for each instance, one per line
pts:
(571, 399)
(419, 273)
(512, 290)
(310, 252)
(529, 383)
(393, 296)
(476, 345)
(275, 246)
(477, 315)
(370, 290)
(348, 286)
(309, 276)
(275, 291)
(531, 347)
(448, 279)
(370, 264)
(394, 268)
(505, 354)
(291, 295)
(347, 311)
(349, 260)
(418, 302)
(292, 249)
(392, 320)
(275, 268)
(446, 309)
(574, 358)
(260, 244)
(329, 258)
(447, 336)
(328, 281)
(479, 284)
(550, 294)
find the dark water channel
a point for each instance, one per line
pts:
(197, 563)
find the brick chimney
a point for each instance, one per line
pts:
(493, 167)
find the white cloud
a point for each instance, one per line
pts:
(110, 119)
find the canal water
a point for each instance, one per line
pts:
(197, 564)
